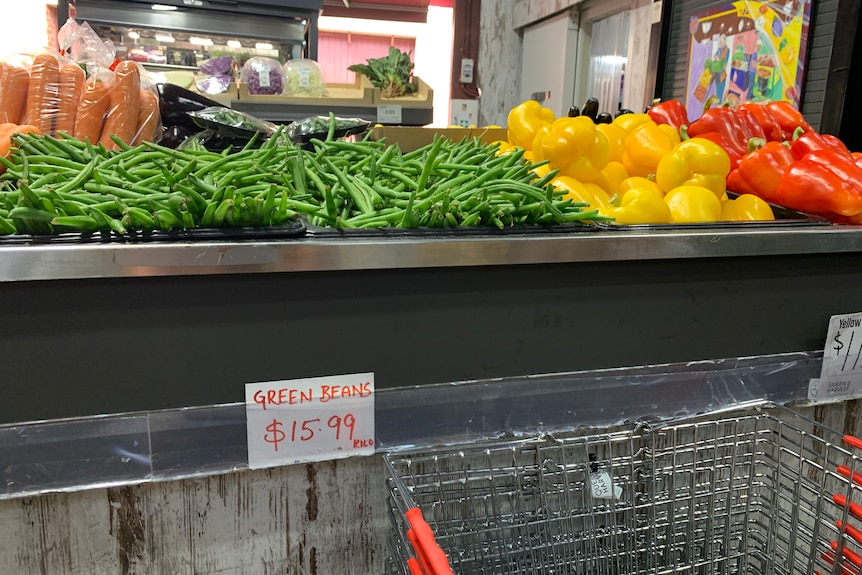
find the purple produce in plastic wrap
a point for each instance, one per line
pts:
(218, 66)
(213, 84)
(263, 76)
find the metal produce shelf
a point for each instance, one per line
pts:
(48, 261)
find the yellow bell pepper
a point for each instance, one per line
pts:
(574, 146)
(695, 162)
(503, 148)
(525, 120)
(693, 204)
(612, 176)
(646, 146)
(639, 206)
(629, 122)
(746, 208)
(582, 192)
(616, 140)
(640, 182)
(541, 171)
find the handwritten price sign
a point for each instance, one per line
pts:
(312, 419)
(841, 373)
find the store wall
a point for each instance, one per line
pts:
(499, 65)
(819, 52)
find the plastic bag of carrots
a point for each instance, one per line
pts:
(52, 93)
(116, 100)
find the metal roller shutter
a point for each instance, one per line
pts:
(819, 52)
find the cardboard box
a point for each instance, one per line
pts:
(360, 93)
(409, 139)
(423, 97)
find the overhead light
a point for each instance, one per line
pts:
(263, 46)
(163, 7)
(200, 41)
(134, 35)
(234, 43)
(164, 38)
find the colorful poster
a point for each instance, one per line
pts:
(748, 51)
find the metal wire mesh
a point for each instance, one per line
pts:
(743, 493)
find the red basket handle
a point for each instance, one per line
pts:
(432, 559)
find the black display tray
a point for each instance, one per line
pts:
(396, 232)
(291, 229)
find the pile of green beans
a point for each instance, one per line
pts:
(60, 184)
(444, 184)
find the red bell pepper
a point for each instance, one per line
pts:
(810, 141)
(735, 131)
(771, 129)
(670, 112)
(751, 127)
(841, 165)
(735, 183)
(760, 172)
(810, 187)
(788, 118)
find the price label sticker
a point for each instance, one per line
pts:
(602, 486)
(389, 114)
(263, 78)
(841, 372)
(313, 419)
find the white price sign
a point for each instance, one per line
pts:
(313, 419)
(841, 373)
(389, 114)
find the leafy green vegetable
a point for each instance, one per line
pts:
(393, 74)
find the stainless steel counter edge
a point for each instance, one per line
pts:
(109, 260)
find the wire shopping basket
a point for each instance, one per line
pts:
(758, 491)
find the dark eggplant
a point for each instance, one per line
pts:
(173, 136)
(604, 118)
(175, 102)
(574, 112)
(622, 112)
(590, 109)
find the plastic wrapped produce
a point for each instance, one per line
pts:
(263, 76)
(304, 78)
(213, 84)
(217, 66)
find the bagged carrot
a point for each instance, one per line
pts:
(71, 87)
(14, 86)
(124, 104)
(92, 108)
(148, 118)
(42, 98)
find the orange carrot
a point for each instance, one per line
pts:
(42, 97)
(92, 110)
(148, 117)
(125, 101)
(7, 130)
(14, 84)
(71, 86)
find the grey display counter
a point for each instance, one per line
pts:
(113, 328)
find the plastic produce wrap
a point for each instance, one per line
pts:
(218, 66)
(231, 123)
(304, 77)
(213, 85)
(116, 99)
(318, 127)
(14, 87)
(263, 76)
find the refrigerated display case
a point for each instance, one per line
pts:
(178, 32)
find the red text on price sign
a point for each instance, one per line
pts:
(310, 419)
